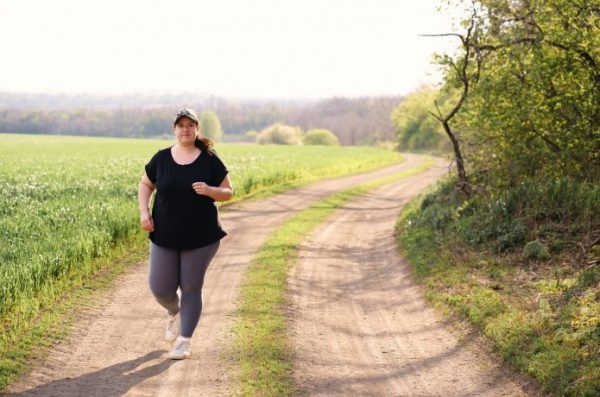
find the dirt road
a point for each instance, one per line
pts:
(117, 349)
(359, 324)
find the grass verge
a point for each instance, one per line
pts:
(260, 344)
(542, 314)
(32, 330)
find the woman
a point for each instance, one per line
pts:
(184, 227)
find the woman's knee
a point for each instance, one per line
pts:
(162, 292)
(166, 300)
(190, 289)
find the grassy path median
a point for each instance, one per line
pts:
(260, 344)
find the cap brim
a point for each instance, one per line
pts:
(185, 115)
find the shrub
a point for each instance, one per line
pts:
(252, 134)
(280, 134)
(210, 125)
(535, 250)
(320, 136)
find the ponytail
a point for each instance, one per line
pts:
(204, 144)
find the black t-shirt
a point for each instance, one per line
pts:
(182, 218)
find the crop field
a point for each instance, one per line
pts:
(65, 201)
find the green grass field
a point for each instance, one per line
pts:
(67, 202)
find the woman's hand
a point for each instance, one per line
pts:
(202, 188)
(146, 222)
(221, 193)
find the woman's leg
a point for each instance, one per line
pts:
(193, 268)
(164, 276)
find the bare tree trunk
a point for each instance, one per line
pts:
(462, 73)
(463, 183)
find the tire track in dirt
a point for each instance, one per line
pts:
(359, 324)
(117, 348)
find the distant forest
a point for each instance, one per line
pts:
(353, 120)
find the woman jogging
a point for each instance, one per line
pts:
(184, 226)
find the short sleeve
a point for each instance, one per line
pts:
(152, 167)
(219, 170)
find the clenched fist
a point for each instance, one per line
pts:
(202, 188)
(146, 222)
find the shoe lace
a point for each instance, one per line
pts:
(182, 346)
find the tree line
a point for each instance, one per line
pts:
(353, 120)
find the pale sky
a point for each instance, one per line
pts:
(231, 48)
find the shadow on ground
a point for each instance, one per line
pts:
(115, 380)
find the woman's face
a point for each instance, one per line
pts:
(185, 130)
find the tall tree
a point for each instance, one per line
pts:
(533, 103)
(210, 126)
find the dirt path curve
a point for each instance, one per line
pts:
(360, 326)
(117, 349)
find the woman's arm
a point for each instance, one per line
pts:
(221, 193)
(144, 193)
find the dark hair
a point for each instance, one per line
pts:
(204, 144)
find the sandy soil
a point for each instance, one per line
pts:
(359, 324)
(117, 348)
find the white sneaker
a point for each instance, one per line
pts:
(181, 349)
(172, 329)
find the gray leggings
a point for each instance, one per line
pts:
(170, 269)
